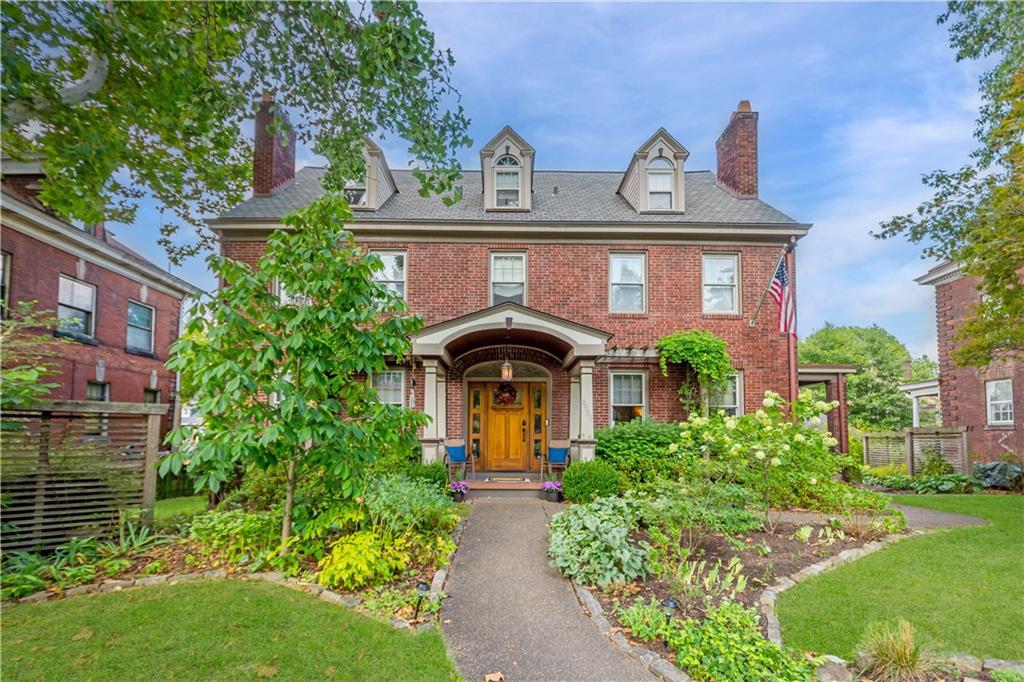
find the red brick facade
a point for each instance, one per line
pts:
(35, 268)
(962, 389)
(737, 152)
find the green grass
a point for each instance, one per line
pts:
(176, 506)
(961, 588)
(223, 630)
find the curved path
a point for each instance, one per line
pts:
(507, 611)
(917, 517)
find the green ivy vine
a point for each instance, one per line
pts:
(704, 353)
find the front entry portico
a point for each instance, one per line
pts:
(508, 421)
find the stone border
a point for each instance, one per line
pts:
(647, 658)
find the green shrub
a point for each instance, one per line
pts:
(891, 652)
(886, 471)
(397, 504)
(935, 464)
(647, 621)
(434, 474)
(894, 482)
(584, 481)
(945, 483)
(639, 450)
(852, 473)
(363, 558)
(727, 646)
(709, 507)
(590, 542)
(243, 536)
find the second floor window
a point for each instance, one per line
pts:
(389, 386)
(508, 278)
(393, 273)
(140, 327)
(506, 182)
(721, 293)
(999, 399)
(628, 276)
(659, 184)
(76, 306)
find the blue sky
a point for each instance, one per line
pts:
(856, 102)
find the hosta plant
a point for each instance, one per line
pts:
(590, 542)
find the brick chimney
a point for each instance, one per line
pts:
(737, 152)
(99, 230)
(273, 161)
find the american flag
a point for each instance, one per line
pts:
(783, 295)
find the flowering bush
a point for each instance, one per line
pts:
(783, 454)
(459, 487)
(552, 486)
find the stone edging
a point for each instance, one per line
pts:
(835, 668)
(650, 660)
(314, 589)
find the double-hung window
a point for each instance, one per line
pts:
(389, 386)
(627, 282)
(76, 306)
(729, 398)
(999, 401)
(140, 327)
(660, 172)
(506, 182)
(721, 283)
(508, 278)
(5, 282)
(392, 275)
(627, 399)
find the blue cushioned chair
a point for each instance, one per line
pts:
(455, 456)
(557, 458)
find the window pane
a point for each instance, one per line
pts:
(625, 414)
(72, 320)
(139, 338)
(397, 288)
(507, 180)
(140, 315)
(508, 268)
(507, 161)
(659, 182)
(76, 294)
(725, 398)
(628, 298)
(719, 299)
(389, 387)
(507, 292)
(627, 389)
(394, 267)
(508, 198)
(659, 162)
(659, 201)
(627, 269)
(719, 270)
(96, 391)
(150, 395)
(999, 390)
(355, 195)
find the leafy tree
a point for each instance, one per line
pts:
(281, 379)
(119, 99)
(976, 216)
(28, 358)
(873, 394)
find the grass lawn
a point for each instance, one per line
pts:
(962, 588)
(224, 630)
(175, 506)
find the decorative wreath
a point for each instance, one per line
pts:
(505, 394)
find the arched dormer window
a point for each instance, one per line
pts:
(660, 172)
(506, 182)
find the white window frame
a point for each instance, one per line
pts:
(518, 170)
(736, 304)
(91, 332)
(611, 393)
(396, 370)
(990, 404)
(611, 283)
(152, 327)
(740, 397)
(405, 269)
(5, 265)
(670, 172)
(526, 274)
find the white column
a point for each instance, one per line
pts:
(586, 434)
(915, 403)
(442, 405)
(430, 409)
(574, 413)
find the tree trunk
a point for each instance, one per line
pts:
(289, 496)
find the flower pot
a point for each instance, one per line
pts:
(553, 495)
(458, 496)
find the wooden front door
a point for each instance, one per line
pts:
(508, 428)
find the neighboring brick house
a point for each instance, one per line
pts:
(989, 402)
(120, 311)
(561, 280)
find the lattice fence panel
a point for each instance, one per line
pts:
(946, 443)
(887, 448)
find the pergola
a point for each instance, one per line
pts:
(834, 379)
(920, 389)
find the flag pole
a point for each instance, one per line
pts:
(757, 311)
(794, 379)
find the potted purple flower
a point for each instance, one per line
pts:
(458, 490)
(552, 490)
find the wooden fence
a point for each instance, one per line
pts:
(70, 467)
(889, 448)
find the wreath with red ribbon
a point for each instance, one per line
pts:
(505, 394)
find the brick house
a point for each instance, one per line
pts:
(543, 292)
(120, 311)
(989, 402)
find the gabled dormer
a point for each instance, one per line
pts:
(506, 169)
(378, 185)
(654, 180)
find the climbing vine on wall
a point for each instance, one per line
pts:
(704, 353)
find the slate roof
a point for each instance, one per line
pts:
(582, 197)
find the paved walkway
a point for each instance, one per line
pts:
(507, 611)
(917, 517)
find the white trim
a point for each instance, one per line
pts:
(5, 264)
(612, 373)
(405, 268)
(619, 254)
(737, 304)
(989, 405)
(944, 272)
(490, 274)
(152, 327)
